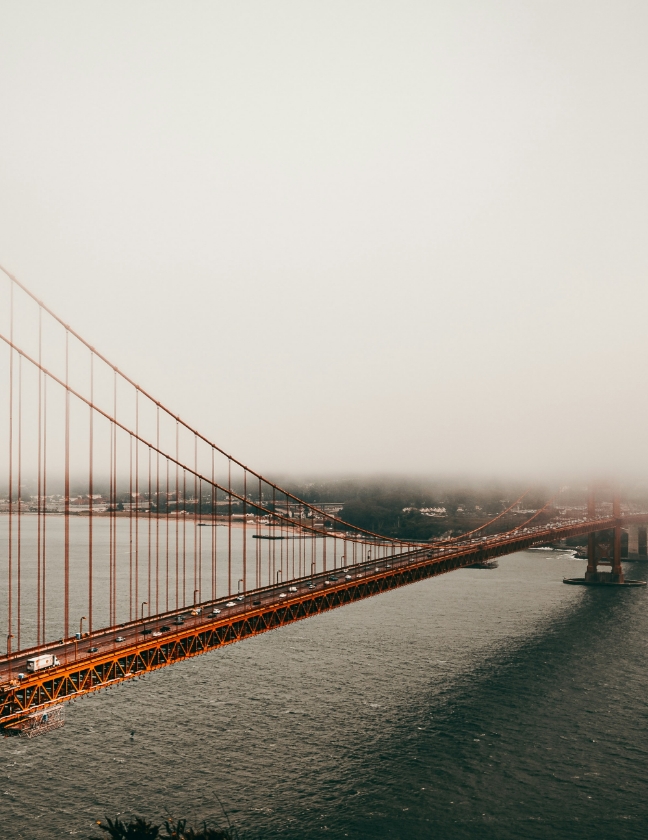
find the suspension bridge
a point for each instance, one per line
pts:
(129, 541)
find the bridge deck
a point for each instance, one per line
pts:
(82, 671)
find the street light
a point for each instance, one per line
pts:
(78, 638)
(195, 593)
(144, 603)
(278, 575)
(9, 638)
(239, 584)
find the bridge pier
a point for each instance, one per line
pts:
(615, 576)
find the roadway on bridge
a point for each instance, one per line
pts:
(132, 635)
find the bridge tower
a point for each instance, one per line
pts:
(592, 560)
(615, 575)
(599, 550)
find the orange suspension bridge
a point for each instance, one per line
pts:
(129, 541)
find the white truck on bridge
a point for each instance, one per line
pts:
(45, 660)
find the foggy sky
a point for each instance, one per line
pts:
(348, 236)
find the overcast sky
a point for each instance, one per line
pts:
(348, 236)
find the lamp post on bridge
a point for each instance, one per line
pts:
(78, 637)
(9, 638)
(144, 604)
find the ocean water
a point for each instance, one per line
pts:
(481, 704)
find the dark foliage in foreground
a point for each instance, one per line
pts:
(140, 829)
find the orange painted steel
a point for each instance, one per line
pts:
(69, 681)
(150, 471)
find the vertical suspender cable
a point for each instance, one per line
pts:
(229, 528)
(19, 554)
(213, 530)
(39, 485)
(137, 500)
(177, 521)
(66, 496)
(157, 512)
(166, 537)
(111, 508)
(10, 524)
(90, 494)
(44, 590)
(184, 537)
(130, 530)
(150, 502)
(257, 542)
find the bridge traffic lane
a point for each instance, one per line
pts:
(76, 651)
(138, 633)
(76, 656)
(134, 634)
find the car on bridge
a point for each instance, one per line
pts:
(230, 604)
(120, 639)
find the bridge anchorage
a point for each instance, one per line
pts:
(601, 552)
(120, 520)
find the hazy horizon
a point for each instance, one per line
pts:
(346, 238)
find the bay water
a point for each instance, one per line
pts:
(480, 704)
